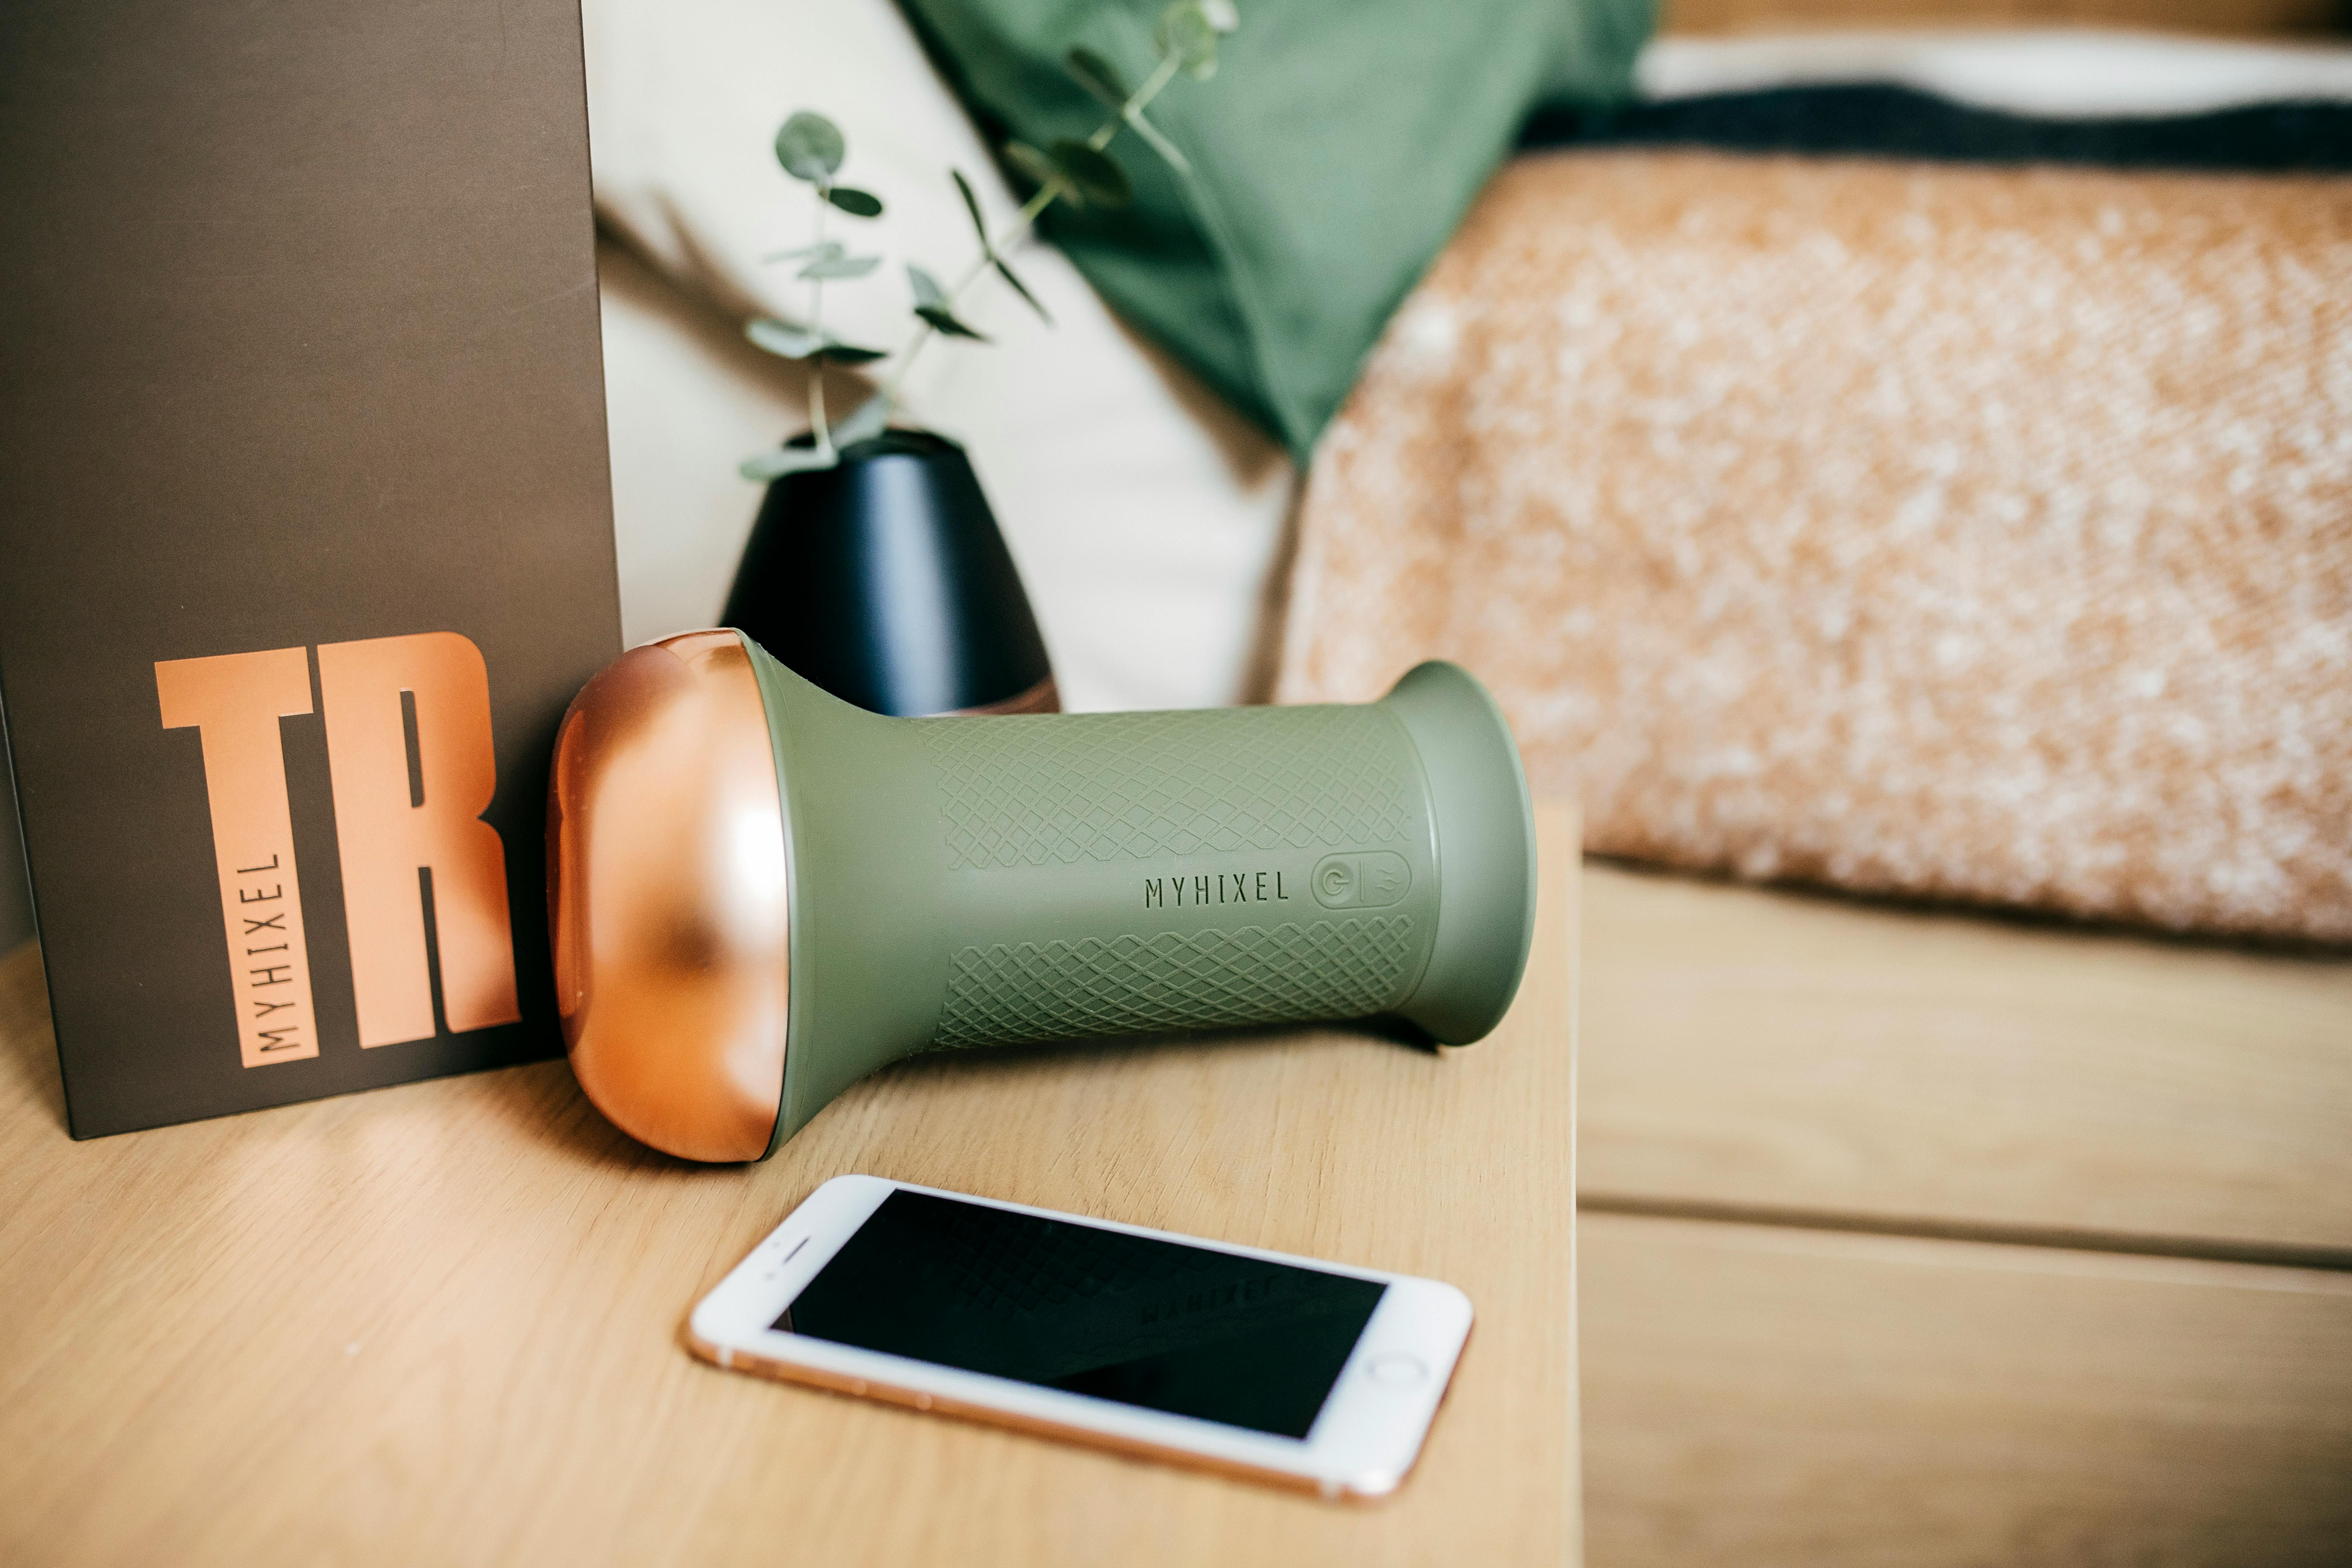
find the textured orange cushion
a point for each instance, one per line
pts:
(1947, 530)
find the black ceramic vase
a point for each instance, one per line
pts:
(884, 580)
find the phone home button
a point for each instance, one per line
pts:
(1395, 1370)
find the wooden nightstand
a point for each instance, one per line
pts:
(439, 1323)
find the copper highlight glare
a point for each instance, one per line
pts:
(668, 902)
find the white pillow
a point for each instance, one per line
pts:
(1146, 517)
(2057, 73)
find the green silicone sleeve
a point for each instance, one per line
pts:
(966, 883)
(1140, 871)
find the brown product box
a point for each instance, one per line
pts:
(305, 531)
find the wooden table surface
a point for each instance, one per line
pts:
(439, 1323)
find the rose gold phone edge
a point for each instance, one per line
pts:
(879, 1390)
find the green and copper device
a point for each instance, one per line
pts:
(760, 893)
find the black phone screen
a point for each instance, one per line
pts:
(1067, 1305)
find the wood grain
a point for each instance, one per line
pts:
(1760, 1395)
(1746, 1049)
(440, 1324)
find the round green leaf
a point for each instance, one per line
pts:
(854, 202)
(837, 352)
(1186, 35)
(1032, 163)
(1094, 174)
(810, 147)
(781, 339)
(972, 205)
(945, 320)
(826, 267)
(788, 342)
(1021, 288)
(1097, 76)
(928, 291)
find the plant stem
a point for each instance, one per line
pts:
(817, 422)
(1137, 102)
(923, 333)
(1047, 195)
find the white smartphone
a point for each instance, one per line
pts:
(1310, 1374)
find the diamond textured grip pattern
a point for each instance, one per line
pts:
(1113, 786)
(1176, 980)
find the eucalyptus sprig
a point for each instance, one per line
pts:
(1081, 172)
(812, 149)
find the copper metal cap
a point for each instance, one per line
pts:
(665, 895)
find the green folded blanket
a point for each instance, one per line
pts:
(1332, 156)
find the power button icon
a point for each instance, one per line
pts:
(1368, 879)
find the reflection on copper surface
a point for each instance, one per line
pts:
(666, 898)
